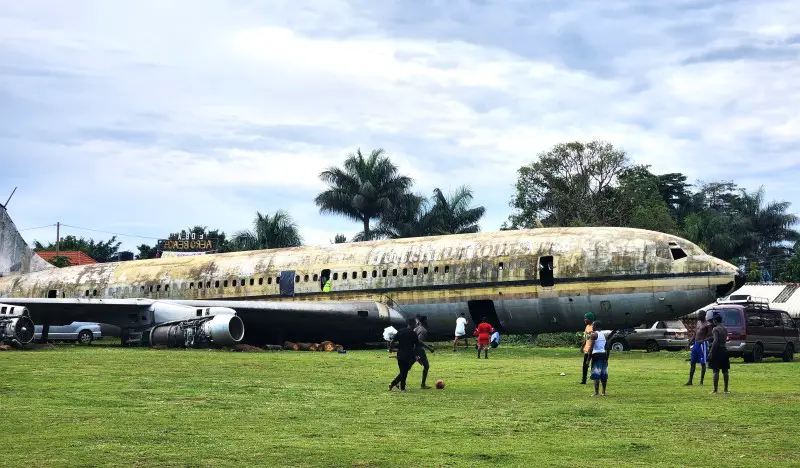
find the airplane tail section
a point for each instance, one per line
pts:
(15, 255)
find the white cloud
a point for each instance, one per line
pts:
(157, 115)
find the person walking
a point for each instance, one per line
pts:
(718, 359)
(484, 332)
(588, 318)
(461, 332)
(422, 334)
(407, 342)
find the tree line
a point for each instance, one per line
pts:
(572, 184)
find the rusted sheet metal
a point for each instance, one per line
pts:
(468, 258)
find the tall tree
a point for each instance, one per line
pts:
(366, 188)
(641, 203)
(146, 251)
(409, 217)
(269, 232)
(569, 185)
(676, 194)
(100, 251)
(453, 214)
(769, 224)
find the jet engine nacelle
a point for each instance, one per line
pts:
(224, 329)
(15, 324)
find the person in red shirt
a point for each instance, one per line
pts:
(484, 332)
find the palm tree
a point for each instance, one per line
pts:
(410, 217)
(452, 214)
(365, 189)
(269, 232)
(769, 223)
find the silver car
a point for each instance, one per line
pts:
(664, 334)
(82, 332)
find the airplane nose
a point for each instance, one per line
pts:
(734, 276)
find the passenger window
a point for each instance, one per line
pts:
(252, 281)
(787, 321)
(374, 273)
(755, 320)
(383, 273)
(355, 275)
(770, 319)
(261, 281)
(315, 277)
(425, 271)
(208, 284)
(191, 285)
(297, 278)
(405, 271)
(416, 270)
(435, 269)
(447, 268)
(661, 325)
(500, 266)
(336, 276)
(216, 283)
(158, 288)
(394, 272)
(344, 275)
(305, 278)
(241, 282)
(546, 275)
(224, 284)
(269, 280)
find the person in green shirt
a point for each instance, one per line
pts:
(326, 284)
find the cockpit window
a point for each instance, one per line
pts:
(676, 251)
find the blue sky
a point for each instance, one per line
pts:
(145, 117)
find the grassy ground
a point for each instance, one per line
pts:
(105, 405)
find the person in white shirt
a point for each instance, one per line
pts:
(495, 340)
(461, 332)
(388, 334)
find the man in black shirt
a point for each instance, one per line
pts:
(407, 343)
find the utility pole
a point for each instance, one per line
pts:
(9, 197)
(58, 237)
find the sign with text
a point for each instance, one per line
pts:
(188, 242)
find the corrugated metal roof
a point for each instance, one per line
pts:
(781, 296)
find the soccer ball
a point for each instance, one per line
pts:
(440, 384)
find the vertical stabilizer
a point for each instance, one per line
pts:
(15, 255)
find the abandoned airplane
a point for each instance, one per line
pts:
(525, 281)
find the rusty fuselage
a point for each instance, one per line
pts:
(528, 281)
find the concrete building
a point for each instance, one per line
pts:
(15, 255)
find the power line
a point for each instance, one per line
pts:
(109, 232)
(40, 227)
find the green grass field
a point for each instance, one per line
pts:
(105, 405)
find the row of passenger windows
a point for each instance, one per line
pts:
(545, 271)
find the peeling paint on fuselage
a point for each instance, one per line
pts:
(436, 276)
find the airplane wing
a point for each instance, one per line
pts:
(66, 311)
(275, 320)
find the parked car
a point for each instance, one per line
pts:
(82, 332)
(755, 330)
(664, 334)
